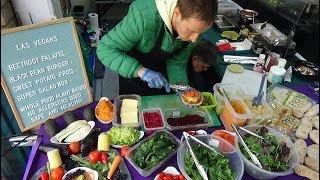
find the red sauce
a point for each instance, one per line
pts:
(186, 120)
(152, 120)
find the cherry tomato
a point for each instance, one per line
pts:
(94, 156)
(44, 176)
(104, 158)
(124, 150)
(161, 175)
(57, 173)
(181, 177)
(74, 147)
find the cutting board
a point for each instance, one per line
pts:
(171, 101)
(249, 81)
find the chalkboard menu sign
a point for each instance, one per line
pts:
(42, 71)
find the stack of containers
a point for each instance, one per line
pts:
(237, 111)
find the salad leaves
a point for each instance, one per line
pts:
(102, 169)
(272, 154)
(123, 135)
(153, 151)
(217, 166)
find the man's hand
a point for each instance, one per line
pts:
(154, 79)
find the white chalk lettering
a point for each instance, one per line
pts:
(78, 88)
(45, 79)
(57, 66)
(26, 95)
(22, 46)
(53, 56)
(37, 117)
(30, 106)
(65, 72)
(19, 77)
(53, 86)
(46, 40)
(37, 72)
(22, 86)
(53, 111)
(22, 64)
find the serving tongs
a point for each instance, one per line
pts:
(253, 157)
(198, 165)
(179, 87)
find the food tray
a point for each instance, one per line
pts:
(230, 116)
(260, 118)
(187, 111)
(118, 103)
(212, 99)
(151, 130)
(146, 173)
(230, 89)
(280, 95)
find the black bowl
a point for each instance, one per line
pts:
(306, 69)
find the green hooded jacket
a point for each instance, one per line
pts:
(140, 29)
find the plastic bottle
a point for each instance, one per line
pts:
(259, 66)
(272, 60)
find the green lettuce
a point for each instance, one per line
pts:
(123, 135)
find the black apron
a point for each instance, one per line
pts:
(154, 60)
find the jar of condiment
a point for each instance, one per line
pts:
(275, 75)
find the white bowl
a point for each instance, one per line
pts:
(259, 173)
(102, 121)
(54, 140)
(96, 175)
(169, 170)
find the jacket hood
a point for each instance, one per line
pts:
(165, 9)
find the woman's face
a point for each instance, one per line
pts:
(188, 29)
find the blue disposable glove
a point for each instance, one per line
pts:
(155, 79)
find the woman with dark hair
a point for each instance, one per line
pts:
(200, 68)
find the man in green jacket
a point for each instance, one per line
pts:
(153, 42)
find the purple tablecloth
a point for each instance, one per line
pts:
(40, 158)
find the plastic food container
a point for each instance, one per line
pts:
(229, 113)
(259, 173)
(152, 110)
(118, 103)
(217, 133)
(187, 111)
(230, 89)
(146, 173)
(210, 98)
(281, 95)
(259, 118)
(222, 146)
